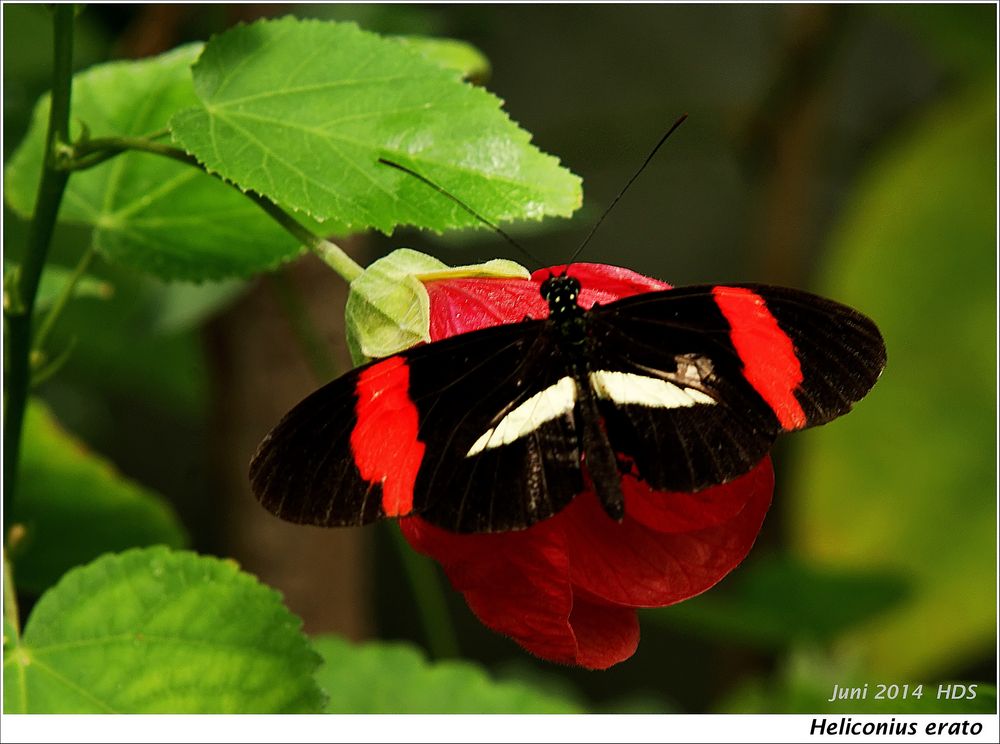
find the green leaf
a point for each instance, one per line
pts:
(806, 681)
(301, 111)
(388, 309)
(779, 601)
(157, 631)
(181, 305)
(396, 678)
(124, 350)
(11, 623)
(73, 506)
(54, 281)
(52, 285)
(907, 482)
(148, 211)
(451, 54)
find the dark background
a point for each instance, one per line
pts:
(792, 110)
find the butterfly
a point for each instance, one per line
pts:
(499, 428)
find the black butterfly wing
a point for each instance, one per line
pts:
(705, 377)
(483, 477)
(399, 436)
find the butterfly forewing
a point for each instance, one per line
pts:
(502, 448)
(417, 433)
(841, 352)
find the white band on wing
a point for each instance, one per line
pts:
(628, 389)
(549, 404)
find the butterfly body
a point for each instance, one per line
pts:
(500, 428)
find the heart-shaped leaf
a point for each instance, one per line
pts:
(302, 110)
(396, 678)
(157, 631)
(148, 211)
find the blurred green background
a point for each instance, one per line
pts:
(850, 150)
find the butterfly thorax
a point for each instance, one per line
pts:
(562, 293)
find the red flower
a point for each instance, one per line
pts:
(566, 589)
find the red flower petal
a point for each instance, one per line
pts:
(605, 634)
(460, 305)
(683, 512)
(518, 584)
(469, 304)
(630, 564)
(603, 283)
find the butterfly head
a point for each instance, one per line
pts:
(561, 292)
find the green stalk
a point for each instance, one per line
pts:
(319, 358)
(442, 641)
(10, 612)
(93, 152)
(50, 193)
(63, 299)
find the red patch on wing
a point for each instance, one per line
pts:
(384, 441)
(767, 353)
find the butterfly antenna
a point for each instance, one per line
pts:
(462, 204)
(630, 182)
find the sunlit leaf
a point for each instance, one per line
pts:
(396, 678)
(156, 631)
(451, 54)
(150, 212)
(301, 111)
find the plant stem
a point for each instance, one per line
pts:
(50, 193)
(10, 612)
(93, 152)
(429, 596)
(320, 360)
(53, 314)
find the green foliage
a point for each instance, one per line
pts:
(805, 684)
(157, 631)
(451, 54)
(908, 482)
(288, 111)
(140, 344)
(53, 282)
(965, 41)
(892, 509)
(148, 211)
(780, 602)
(396, 678)
(73, 506)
